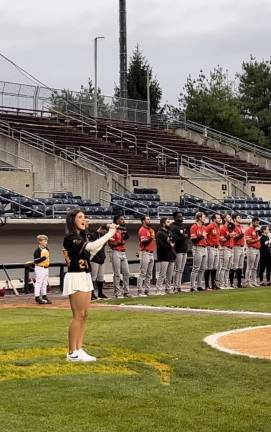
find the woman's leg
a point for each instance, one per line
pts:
(79, 302)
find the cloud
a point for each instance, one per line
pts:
(54, 39)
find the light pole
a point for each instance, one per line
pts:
(95, 76)
(148, 98)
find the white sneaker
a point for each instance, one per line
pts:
(73, 357)
(85, 357)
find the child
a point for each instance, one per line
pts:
(41, 261)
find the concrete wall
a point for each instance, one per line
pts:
(51, 173)
(225, 148)
(169, 189)
(18, 242)
(19, 181)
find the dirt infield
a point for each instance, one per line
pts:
(253, 342)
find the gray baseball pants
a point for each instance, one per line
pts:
(165, 274)
(120, 265)
(180, 262)
(253, 258)
(199, 266)
(97, 272)
(225, 265)
(145, 271)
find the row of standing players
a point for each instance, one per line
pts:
(220, 241)
(218, 250)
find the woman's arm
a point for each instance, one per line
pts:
(95, 246)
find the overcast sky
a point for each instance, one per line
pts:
(54, 39)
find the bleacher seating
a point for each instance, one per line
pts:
(72, 135)
(133, 205)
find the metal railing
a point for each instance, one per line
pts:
(135, 203)
(69, 154)
(103, 160)
(208, 132)
(20, 158)
(15, 199)
(215, 167)
(165, 157)
(125, 139)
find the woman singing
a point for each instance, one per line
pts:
(77, 282)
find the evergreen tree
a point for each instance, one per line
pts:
(137, 81)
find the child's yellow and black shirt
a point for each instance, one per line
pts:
(42, 257)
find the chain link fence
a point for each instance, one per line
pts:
(38, 98)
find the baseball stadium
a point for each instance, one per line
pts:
(135, 243)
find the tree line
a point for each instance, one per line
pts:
(240, 106)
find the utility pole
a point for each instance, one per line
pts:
(96, 75)
(123, 48)
(148, 98)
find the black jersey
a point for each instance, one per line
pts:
(76, 257)
(41, 257)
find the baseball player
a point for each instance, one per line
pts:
(198, 236)
(213, 243)
(252, 237)
(147, 246)
(238, 251)
(180, 238)
(226, 241)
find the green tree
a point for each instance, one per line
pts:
(81, 102)
(213, 102)
(137, 81)
(255, 97)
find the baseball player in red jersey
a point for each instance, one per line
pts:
(238, 251)
(226, 241)
(213, 243)
(198, 236)
(147, 247)
(252, 237)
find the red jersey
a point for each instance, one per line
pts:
(146, 237)
(224, 239)
(239, 230)
(252, 234)
(118, 237)
(213, 235)
(196, 232)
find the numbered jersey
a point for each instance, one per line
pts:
(76, 257)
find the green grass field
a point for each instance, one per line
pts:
(153, 373)
(245, 299)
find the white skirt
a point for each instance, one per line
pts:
(74, 282)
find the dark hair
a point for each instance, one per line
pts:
(199, 215)
(116, 218)
(263, 228)
(163, 220)
(214, 215)
(143, 218)
(255, 219)
(174, 214)
(235, 215)
(70, 220)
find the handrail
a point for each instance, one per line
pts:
(41, 143)
(164, 153)
(122, 135)
(208, 132)
(115, 194)
(82, 119)
(18, 157)
(227, 174)
(122, 166)
(20, 205)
